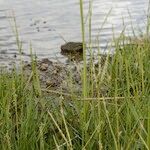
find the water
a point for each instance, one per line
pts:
(46, 23)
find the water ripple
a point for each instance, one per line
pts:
(45, 23)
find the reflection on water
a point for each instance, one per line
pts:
(46, 23)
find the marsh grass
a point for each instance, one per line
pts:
(112, 112)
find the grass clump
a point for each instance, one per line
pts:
(117, 114)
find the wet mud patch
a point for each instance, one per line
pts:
(57, 76)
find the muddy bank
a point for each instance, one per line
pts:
(57, 76)
(63, 77)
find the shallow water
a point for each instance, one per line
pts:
(46, 23)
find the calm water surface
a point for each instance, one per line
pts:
(46, 23)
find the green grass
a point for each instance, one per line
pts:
(112, 112)
(117, 114)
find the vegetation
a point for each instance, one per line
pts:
(113, 112)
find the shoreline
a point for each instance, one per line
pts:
(56, 75)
